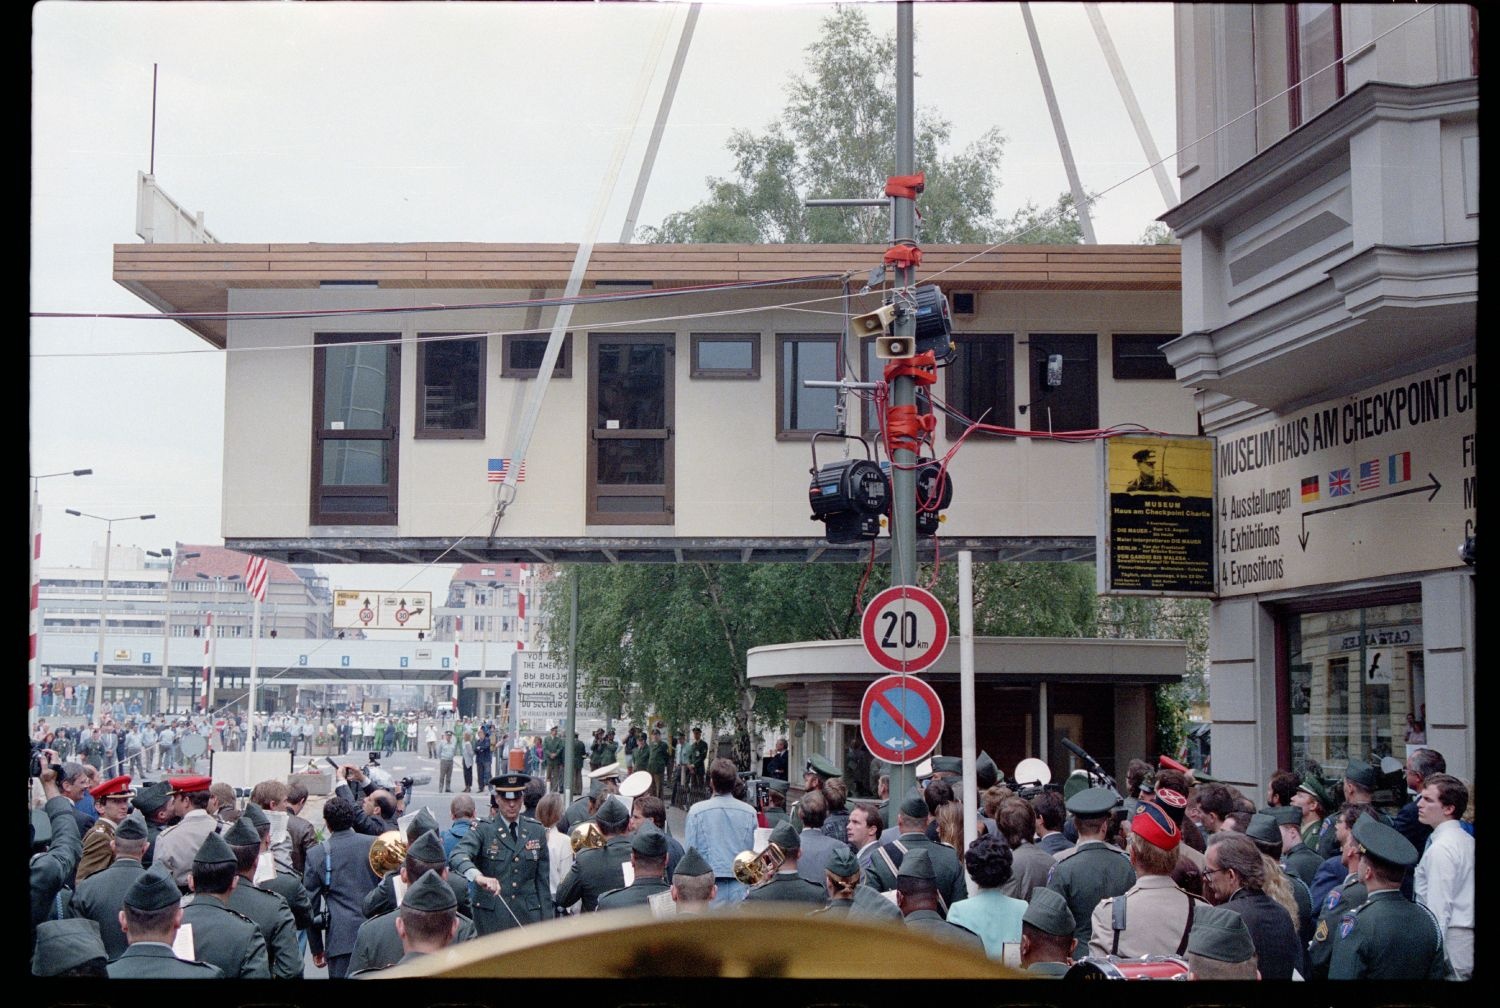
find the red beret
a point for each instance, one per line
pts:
(115, 787)
(187, 785)
(1152, 824)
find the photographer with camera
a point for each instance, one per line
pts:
(376, 809)
(55, 832)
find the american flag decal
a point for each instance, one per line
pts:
(256, 576)
(1369, 474)
(500, 467)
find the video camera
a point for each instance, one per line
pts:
(755, 790)
(37, 750)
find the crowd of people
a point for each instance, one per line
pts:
(1183, 876)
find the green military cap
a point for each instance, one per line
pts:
(785, 836)
(1285, 815)
(692, 864)
(509, 785)
(776, 784)
(1220, 933)
(132, 827)
(1313, 786)
(241, 834)
(151, 797)
(612, 813)
(842, 862)
(1048, 911)
(947, 764)
(1383, 843)
(819, 764)
(1264, 829)
(917, 864)
(423, 823)
(430, 894)
(427, 847)
(649, 841)
(1362, 774)
(66, 944)
(914, 806)
(986, 773)
(1093, 802)
(215, 851)
(256, 815)
(154, 890)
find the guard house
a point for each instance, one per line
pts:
(1033, 692)
(373, 385)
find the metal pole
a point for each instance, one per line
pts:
(1132, 107)
(1075, 185)
(33, 677)
(966, 694)
(98, 697)
(250, 701)
(903, 389)
(569, 758)
(627, 233)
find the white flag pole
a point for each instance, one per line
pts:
(249, 740)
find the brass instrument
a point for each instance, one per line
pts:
(387, 852)
(586, 835)
(753, 869)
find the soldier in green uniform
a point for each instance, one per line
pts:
(1388, 937)
(1297, 859)
(596, 870)
(658, 755)
(1091, 870)
(427, 922)
(1047, 935)
(846, 897)
(693, 887)
(596, 750)
(786, 886)
(609, 749)
(698, 753)
(1315, 805)
(152, 800)
(1220, 947)
(506, 859)
(287, 885)
(552, 759)
(151, 915)
(648, 859)
(271, 914)
(1340, 900)
(775, 791)
(378, 943)
(817, 770)
(579, 755)
(911, 827)
(917, 897)
(100, 897)
(224, 937)
(68, 947)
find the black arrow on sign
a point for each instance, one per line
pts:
(1434, 487)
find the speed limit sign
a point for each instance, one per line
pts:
(905, 629)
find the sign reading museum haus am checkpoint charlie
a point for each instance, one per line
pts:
(1376, 483)
(1157, 525)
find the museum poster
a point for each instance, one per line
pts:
(1157, 527)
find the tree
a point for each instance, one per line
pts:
(1157, 233)
(1055, 225)
(1140, 617)
(835, 139)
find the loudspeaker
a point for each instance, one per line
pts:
(894, 347)
(874, 323)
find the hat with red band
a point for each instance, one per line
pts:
(1152, 824)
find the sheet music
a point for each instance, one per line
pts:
(629, 870)
(182, 945)
(662, 904)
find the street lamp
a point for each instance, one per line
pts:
(166, 613)
(109, 529)
(34, 547)
(211, 646)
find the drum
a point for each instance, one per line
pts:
(1115, 968)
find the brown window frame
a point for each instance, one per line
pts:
(391, 488)
(420, 430)
(953, 427)
(696, 370)
(562, 368)
(1139, 362)
(593, 515)
(1294, 63)
(835, 340)
(1037, 350)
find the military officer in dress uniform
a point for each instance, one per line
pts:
(224, 937)
(1339, 901)
(427, 922)
(1092, 870)
(1153, 916)
(817, 770)
(267, 910)
(378, 943)
(1047, 930)
(153, 800)
(150, 917)
(596, 870)
(787, 886)
(112, 799)
(101, 897)
(68, 947)
(917, 898)
(648, 859)
(177, 845)
(911, 827)
(506, 859)
(1388, 937)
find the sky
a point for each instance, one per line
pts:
(486, 122)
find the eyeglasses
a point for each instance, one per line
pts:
(1211, 871)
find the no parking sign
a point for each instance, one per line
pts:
(900, 719)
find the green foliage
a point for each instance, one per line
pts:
(1141, 617)
(1054, 225)
(835, 139)
(1157, 233)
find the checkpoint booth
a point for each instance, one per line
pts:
(1029, 694)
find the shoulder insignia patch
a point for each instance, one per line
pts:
(1346, 925)
(1333, 900)
(1321, 934)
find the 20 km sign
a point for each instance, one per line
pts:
(900, 719)
(905, 629)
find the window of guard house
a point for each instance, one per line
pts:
(1357, 687)
(803, 410)
(980, 382)
(450, 386)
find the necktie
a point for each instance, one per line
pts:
(513, 832)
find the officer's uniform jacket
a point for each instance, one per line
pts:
(155, 961)
(1087, 873)
(788, 887)
(373, 972)
(290, 888)
(521, 866)
(1388, 937)
(177, 845)
(1340, 901)
(595, 871)
(638, 893)
(273, 917)
(886, 862)
(382, 899)
(1157, 919)
(97, 855)
(378, 945)
(101, 897)
(1303, 862)
(931, 922)
(227, 939)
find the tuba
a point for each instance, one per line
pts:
(753, 869)
(387, 853)
(586, 835)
